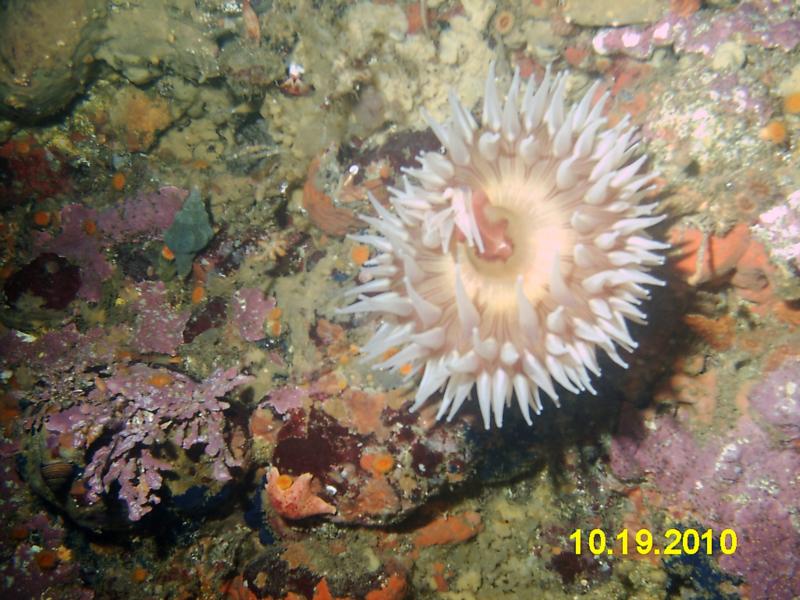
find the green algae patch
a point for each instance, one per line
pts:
(189, 233)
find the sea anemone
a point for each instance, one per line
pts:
(511, 257)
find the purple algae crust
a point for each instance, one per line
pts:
(777, 400)
(770, 25)
(59, 358)
(746, 481)
(286, 398)
(145, 213)
(250, 308)
(135, 415)
(22, 576)
(159, 328)
(779, 228)
(85, 250)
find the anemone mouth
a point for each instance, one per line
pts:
(524, 234)
(511, 259)
(505, 245)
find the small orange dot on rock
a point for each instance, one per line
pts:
(19, 532)
(139, 574)
(90, 227)
(285, 482)
(160, 380)
(47, 560)
(791, 103)
(198, 294)
(124, 355)
(360, 254)
(383, 464)
(118, 181)
(167, 254)
(406, 369)
(774, 131)
(41, 218)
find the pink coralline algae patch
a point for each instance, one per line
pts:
(145, 213)
(86, 233)
(83, 249)
(779, 227)
(250, 310)
(746, 481)
(769, 25)
(21, 570)
(287, 398)
(637, 452)
(778, 401)
(145, 409)
(753, 489)
(159, 328)
(60, 358)
(295, 498)
(734, 96)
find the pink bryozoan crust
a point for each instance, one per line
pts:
(511, 258)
